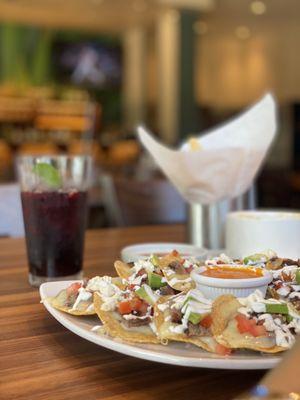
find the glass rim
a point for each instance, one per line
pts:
(53, 157)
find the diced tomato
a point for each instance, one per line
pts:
(142, 272)
(124, 307)
(206, 321)
(73, 289)
(278, 285)
(244, 324)
(144, 308)
(250, 326)
(131, 287)
(189, 269)
(175, 253)
(258, 330)
(136, 304)
(222, 350)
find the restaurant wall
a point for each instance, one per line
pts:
(232, 72)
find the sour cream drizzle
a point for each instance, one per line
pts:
(175, 280)
(83, 295)
(145, 264)
(286, 288)
(282, 331)
(110, 293)
(154, 297)
(192, 302)
(223, 258)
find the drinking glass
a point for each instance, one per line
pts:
(54, 202)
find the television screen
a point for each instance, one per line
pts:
(88, 63)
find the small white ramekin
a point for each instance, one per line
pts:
(143, 250)
(214, 287)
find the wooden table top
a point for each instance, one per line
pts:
(40, 359)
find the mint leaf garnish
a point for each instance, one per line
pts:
(48, 174)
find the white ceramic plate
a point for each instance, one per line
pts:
(182, 354)
(143, 250)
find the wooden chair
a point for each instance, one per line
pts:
(72, 116)
(129, 202)
(92, 148)
(123, 152)
(6, 160)
(36, 148)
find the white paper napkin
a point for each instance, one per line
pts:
(228, 160)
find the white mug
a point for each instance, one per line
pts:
(249, 232)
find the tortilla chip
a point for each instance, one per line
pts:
(224, 328)
(206, 342)
(123, 269)
(181, 284)
(168, 258)
(59, 301)
(113, 326)
(171, 276)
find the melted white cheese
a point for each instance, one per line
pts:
(284, 290)
(132, 316)
(257, 297)
(192, 302)
(136, 280)
(83, 295)
(143, 264)
(110, 293)
(295, 324)
(91, 307)
(162, 307)
(223, 258)
(152, 296)
(283, 336)
(153, 328)
(98, 283)
(256, 302)
(294, 295)
(189, 262)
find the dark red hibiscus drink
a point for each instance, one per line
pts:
(54, 225)
(54, 210)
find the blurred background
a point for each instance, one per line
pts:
(78, 76)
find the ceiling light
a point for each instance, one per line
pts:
(200, 27)
(258, 7)
(242, 32)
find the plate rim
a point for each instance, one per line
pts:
(221, 362)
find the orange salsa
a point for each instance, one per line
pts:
(227, 272)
